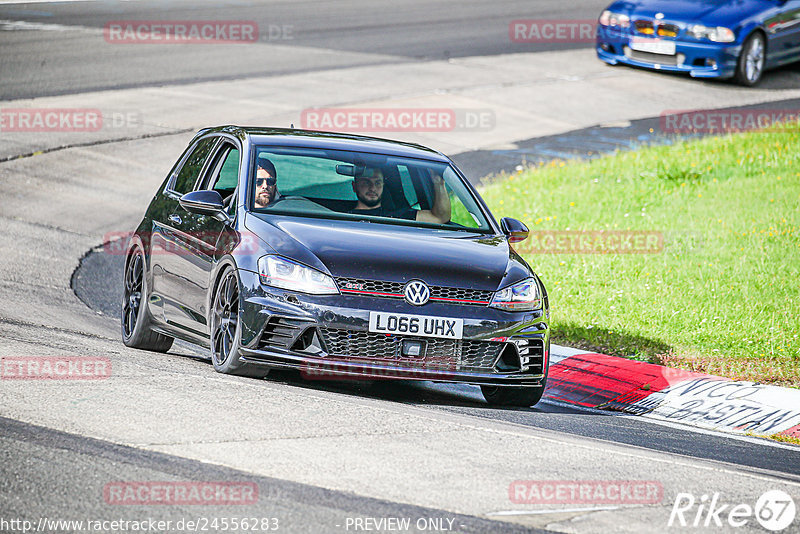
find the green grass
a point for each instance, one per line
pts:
(783, 438)
(722, 297)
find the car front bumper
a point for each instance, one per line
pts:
(698, 59)
(327, 337)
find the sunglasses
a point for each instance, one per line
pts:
(270, 181)
(373, 181)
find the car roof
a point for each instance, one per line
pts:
(328, 140)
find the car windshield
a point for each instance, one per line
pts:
(337, 184)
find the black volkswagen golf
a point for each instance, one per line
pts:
(339, 255)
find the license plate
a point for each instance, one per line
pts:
(654, 46)
(416, 325)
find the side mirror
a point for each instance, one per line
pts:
(204, 203)
(514, 229)
(346, 170)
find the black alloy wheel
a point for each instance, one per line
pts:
(135, 323)
(226, 330)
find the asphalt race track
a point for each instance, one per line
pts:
(96, 283)
(359, 31)
(322, 454)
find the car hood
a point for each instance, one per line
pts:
(711, 12)
(355, 249)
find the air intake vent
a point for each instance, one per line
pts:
(531, 354)
(280, 333)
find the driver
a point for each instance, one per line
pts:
(266, 183)
(368, 188)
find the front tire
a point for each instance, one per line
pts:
(750, 66)
(135, 321)
(512, 396)
(226, 329)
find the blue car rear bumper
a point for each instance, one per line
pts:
(700, 60)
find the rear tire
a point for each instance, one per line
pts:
(226, 329)
(135, 320)
(512, 396)
(750, 66)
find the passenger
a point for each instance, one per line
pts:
(368, 188)
(266, 183)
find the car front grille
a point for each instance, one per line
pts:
(382, 289)
(647, 57)
(439, 354)
(660, 29)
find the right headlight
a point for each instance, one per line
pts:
(522, 296)
(282, 272)
(718, 34)
(609, 18)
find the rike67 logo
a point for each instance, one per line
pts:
(775, 510)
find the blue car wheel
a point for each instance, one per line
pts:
(751, 61)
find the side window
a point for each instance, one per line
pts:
(193, 165)
(460, 214)
(225, 177)
(408, 186)
(228, 178)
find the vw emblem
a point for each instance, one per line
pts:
(417, 292)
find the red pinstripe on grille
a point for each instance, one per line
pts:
(400, 295)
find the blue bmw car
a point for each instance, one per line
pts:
(737, 39)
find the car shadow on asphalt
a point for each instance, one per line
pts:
(411, 392)
(403, 391)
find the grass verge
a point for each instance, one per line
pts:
(721, 293)
(783, 438)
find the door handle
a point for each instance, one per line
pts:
(175, 218)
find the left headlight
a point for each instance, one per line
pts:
(614, 20)
(718, 34)
(522, 296)
(277, 271)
